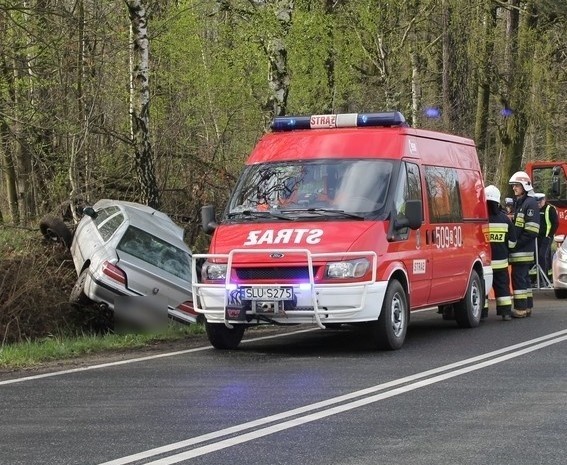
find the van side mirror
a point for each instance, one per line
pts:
(90, 211)
(555, 186)
(208, 222)
(413, 215)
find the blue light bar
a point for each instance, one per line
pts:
(289, 123)
(341, 120)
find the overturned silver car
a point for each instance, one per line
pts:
(132, 259)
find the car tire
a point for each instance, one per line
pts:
(222, 337)
(560, 293)
(78, 296)
(468, 311)
(55, 230)
(389, 331)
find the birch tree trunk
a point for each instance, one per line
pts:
(483, 91)
(519, 79)
(22, 96)
(278, 75)
(140, 102)
(448, 64)
(6, 159)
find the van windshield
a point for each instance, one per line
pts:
(356, 186)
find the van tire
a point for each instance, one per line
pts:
(389, 332)
(222, 337)
(55, 230)
(469, 310)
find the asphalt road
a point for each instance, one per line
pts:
(496, 394)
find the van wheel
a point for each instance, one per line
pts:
(389, 332)
(222, 337)
(78, 296)
(468, 310)
(55, 230)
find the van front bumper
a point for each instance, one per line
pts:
(313, 303)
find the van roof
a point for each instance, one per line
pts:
(358, 142)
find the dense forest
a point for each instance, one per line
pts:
(160, 101)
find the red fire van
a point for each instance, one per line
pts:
(347, 219)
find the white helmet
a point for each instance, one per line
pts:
(492, 193)
(521, 177)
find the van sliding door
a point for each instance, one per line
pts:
(450, 263)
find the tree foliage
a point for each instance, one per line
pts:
(218, 71)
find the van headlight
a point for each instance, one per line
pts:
(347, 269)
(214, 271)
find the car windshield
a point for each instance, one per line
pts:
(156, 251)
(354, 186)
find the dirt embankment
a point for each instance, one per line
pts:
(35, 282)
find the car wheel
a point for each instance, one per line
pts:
(560, 293)
(55, 230)
(389, 332)
(222, 337)
(78, 296)
(468, 310)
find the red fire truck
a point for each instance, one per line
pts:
(550, 177)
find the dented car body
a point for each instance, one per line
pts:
(133, 260)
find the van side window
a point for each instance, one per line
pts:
(443, 195)
(408, 188)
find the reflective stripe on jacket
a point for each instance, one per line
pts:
(502, 237)
(526, 222)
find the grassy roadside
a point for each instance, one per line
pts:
(37, 323)
(33, 353)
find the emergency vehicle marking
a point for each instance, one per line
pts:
(412, 147)
(496, 237)
(323, 121)
(284, 236)
(446, 236)
(419, 266)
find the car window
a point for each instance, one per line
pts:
(107, 228)
(157, 252)
(105, 213)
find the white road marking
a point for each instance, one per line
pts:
(140, 359)
(326, 408)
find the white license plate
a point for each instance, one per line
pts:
(266, 293)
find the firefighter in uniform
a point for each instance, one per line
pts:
(502, 238)
(548, 224)
(522, 257)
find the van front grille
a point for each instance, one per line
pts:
(275, 273)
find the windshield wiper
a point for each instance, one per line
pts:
(257, 214)
(324, 212)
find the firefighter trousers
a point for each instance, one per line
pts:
(501, 287)
(522, 286)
